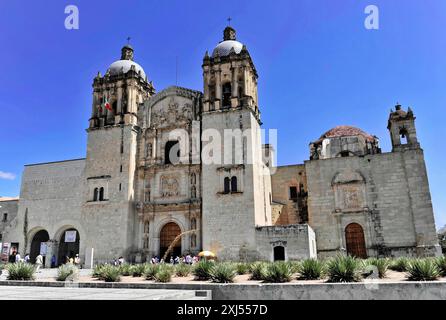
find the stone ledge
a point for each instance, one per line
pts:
(408, 290)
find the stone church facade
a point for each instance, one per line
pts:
(146, 185)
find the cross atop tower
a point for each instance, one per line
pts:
(229, 21)
(128, 40)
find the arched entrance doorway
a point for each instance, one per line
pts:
(40, 237)
(279, 253)
(167, 235)
(68, 245)
(355, 241)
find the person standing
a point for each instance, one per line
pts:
(39, 262)
(18, 258)
(12, 257)
(53, 261)
(26, 258)
(77, 261)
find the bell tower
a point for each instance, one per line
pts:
(237, 179)
(402, 130)
(111, 154)
(230, 77)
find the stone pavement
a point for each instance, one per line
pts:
(51, 293)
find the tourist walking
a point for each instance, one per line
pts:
(39, 262)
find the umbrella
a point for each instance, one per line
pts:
(206, 254)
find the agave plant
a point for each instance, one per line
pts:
(344, 269)
(311, 269)
(441, 265)
(423, 270)
(183, 270)
(111, 273)
(21, 271)
(67, 272)
(258, 270)
(400, 264)
(278, 272)
(203, 270)
(138, 270)
(150, 271)
(242, 268)
(164, 274)
(125, 269)
(379, 264)
(224, 272)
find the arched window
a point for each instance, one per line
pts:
(95, 194)
(101, 194)
(403, 136)
(227, 185)
(227, 93)
(234, 184)
(172, 152)
(193, 192)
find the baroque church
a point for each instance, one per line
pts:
(142, 191)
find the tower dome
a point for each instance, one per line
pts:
(229, 42)
(126, 63)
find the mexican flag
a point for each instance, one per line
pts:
(107, 104)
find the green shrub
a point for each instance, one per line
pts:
(294, 266)
(98, 271)
(111, 273)
(182, 270)
(151, 271)
(138, 270)
(400, 264)
(381, 265)
(203, 270)
(344, 269)
(21, 271)
(67, 272)
(278, 272)
(242, 268)
(224, 272)
(258, 270)
(441, 265)
(423, 270)
(164, 274)
(125, 269)
(311, 269)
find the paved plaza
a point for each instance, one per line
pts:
(51, 293)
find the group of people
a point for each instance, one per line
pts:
(188, 259)
(16, 258)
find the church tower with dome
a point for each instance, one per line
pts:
(237, 186)
(110, 163)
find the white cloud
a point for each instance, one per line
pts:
(7, 175)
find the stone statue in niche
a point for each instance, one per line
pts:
(169, 187)
(146, 227)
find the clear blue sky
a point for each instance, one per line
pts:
(319, 67)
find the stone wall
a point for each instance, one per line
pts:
(387, 194)
(298, 240)
(293, 210)
(51, 194)
(8, 209)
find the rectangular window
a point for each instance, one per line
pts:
(293, 193)
(5, 217)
